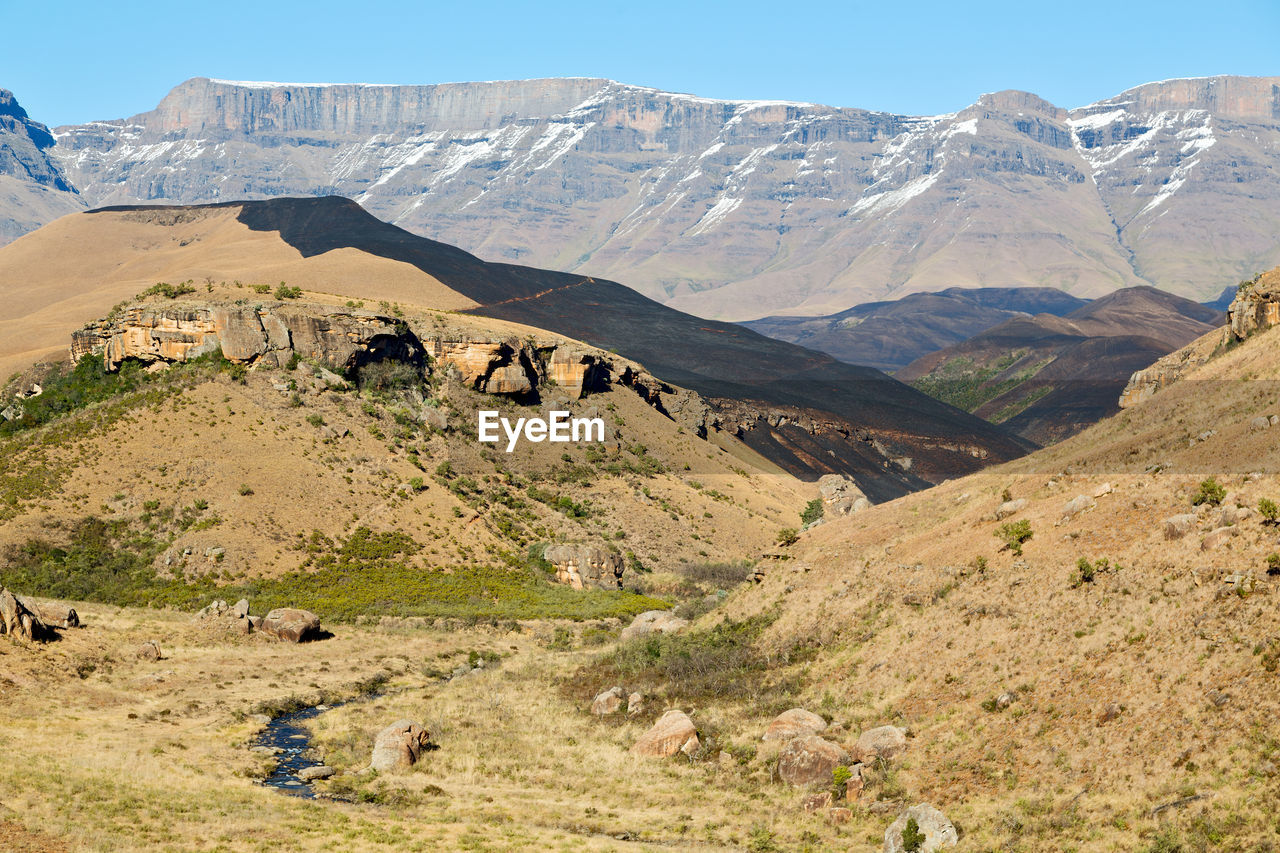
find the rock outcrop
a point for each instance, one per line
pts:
(292, 625)
(1256, 307)
(399, 746)
(586, 567)
(810, 760)
(673, 733)
(840, 495)
(18, 620)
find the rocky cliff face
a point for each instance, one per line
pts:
(738, 209)
(33, 188)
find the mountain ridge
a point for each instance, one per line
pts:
(738, 209)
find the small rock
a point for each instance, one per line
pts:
(816, 802)
(793, 724)
(150, 650)
(652, 621)
(1004, 700)
(1260, 423)
(320, 771)
(937, 830)
(838, 816)
(1111, 712)
(674, 732)
(635, 704)
(1103, 490)
(259, 719)
(608, 702)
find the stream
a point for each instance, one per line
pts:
(287, 734)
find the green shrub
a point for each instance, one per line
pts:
(788, 536)
(1273, 564)
(1211, 492)
(812, 511)
(284, 291)
(1084, 571)
(169, 291)
(1269, 510)
(912, 838)
(1014, 534)
(245, 489)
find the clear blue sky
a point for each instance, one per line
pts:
(76, 61)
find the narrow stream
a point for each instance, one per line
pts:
(287, 734)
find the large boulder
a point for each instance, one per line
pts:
(652, 622)
(810, 760)
(584, 566)
(291, 624)
(1009, 508)
(1177, 526)
(793, 724)
(840, 495)
(399, 746)
(931, 823)
(674, 732)
(17, 620)
(886, 742)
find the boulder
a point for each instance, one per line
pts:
(1217, 538)
(810, 760)
(1103, 490)
(241, 608)
(1260, 423)
(840, 495)
(635, 704)
(608, 702)
(291, 624)
(816, 802)
(17, 620)
(399, 746)
(1077, 505)
(583, 566)
(1177, 526)
(652, 622)
(1111, 711)
(938, 832)
(150, 650)
(838, 816)
(793, 724)
(886, 742)
(320, 771)
(1009, 508)
(674, 732)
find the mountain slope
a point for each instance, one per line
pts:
(1048, 377)
(807, 412)
(739, 209)
(33, 188)
(891, 335)
(1144, 681)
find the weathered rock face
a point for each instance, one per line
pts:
(840, 495)
(706, 182)
(793, 724)
(399, 746)
(1256, 307)
(674, 732)
(291, 624)
(810, 760)
(347, 340)
(18, 620)
(938, 832)
(584, 566)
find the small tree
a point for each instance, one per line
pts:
(812, 511)
(912, 838)
(788, 536)
(1014, 534)
(1211, 492)
(1269, 510)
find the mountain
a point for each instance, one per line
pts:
(33, 188)
(891, 334)
(807, 412)
(741, 209)
(1047, 377)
